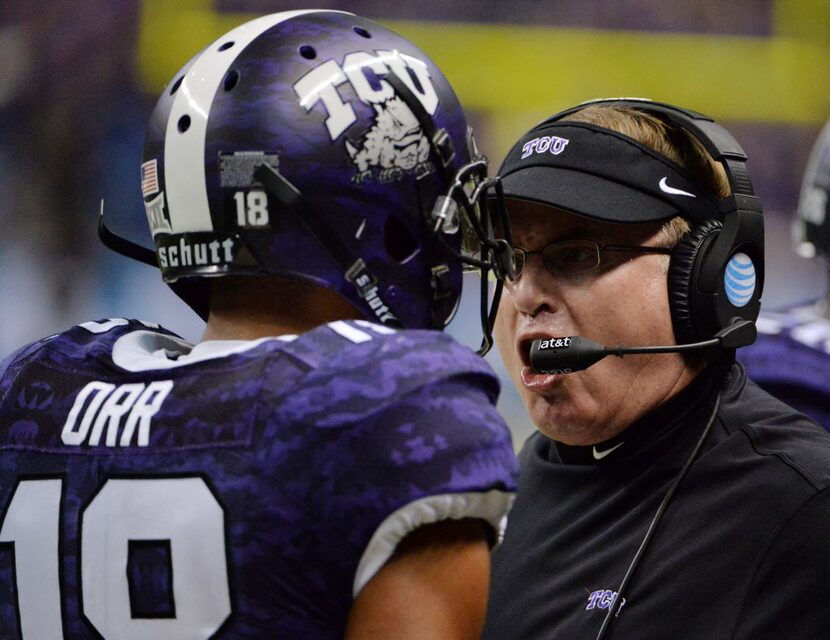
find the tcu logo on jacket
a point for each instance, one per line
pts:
(321, 85)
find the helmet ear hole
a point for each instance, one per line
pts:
(400, 243)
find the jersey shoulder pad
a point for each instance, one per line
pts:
(427, 355)
(359, 358)
(89, 344)
(792, 346)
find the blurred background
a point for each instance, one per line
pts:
(78, 81)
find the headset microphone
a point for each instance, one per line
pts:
(575, 353)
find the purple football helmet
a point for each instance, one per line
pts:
(811, 231)
(322, 145)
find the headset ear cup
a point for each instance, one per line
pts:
(682, 284)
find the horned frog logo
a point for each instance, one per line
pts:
(395, 145)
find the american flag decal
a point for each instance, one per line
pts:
(149, 177)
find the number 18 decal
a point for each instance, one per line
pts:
(251, 208)
(182, 511)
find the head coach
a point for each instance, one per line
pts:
(664, 494)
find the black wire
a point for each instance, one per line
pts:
(123, 246)
(615, 604)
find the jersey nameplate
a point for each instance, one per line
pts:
(127, 409)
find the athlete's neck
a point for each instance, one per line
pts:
(247, 308)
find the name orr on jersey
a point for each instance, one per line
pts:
(105, 409)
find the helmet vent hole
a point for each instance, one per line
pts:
(400, 243)
(308, 52)
(184, 124)
(231, 80)
(176, 85)
(226, 45)
(362, 32)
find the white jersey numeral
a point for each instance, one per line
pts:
(32, 523)
(180, 511)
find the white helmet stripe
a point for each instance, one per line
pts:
(184, 164)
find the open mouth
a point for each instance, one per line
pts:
(531, 379)
(524, 350)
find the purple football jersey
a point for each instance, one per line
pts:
(791, 360)
(235, 489)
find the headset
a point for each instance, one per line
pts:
(716, 273)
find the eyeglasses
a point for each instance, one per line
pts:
(574, 257)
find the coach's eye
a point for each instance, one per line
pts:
(571, 256)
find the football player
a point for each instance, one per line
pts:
(324, 463)
(791, 358)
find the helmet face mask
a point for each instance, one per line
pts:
(322, 145)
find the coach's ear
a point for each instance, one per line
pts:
(434, 587)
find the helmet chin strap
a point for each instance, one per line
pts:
(291, 199)
(123, 246)
(354, 269)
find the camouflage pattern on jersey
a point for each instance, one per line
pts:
(791, 360)
(272, 465)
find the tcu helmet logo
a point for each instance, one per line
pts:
(395, 144)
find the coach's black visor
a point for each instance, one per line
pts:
(601, 174)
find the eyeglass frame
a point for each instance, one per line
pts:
(524, 253)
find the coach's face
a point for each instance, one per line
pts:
(622, 302)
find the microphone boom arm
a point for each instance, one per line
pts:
(575, 353)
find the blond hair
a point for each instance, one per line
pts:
(667, 139)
